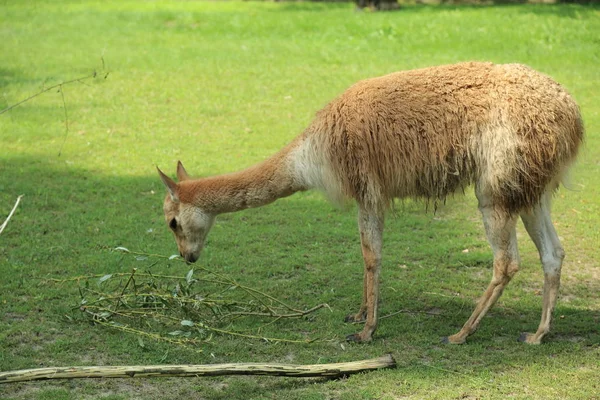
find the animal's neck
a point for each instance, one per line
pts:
(256, 186)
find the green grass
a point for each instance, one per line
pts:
(221, 86)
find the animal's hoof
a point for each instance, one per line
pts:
(451, 340)
(356, 338)
(523, 337)
(353, 318)
(528, 338)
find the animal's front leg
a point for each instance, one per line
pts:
(371, 233)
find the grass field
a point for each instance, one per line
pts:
(220, 86)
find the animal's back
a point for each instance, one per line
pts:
(425, 133)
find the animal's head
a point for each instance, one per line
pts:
(189, 223)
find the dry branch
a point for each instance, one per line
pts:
(10, 214)
(60, 87)
(185, 310)
(289, 370)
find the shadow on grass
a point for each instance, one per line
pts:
(567, 8)
(300, 249)
(575, 10)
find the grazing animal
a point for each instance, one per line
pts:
(508, 130)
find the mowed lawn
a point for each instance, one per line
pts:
(223, 85)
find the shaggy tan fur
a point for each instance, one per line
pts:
(507, 129)
(428, 132)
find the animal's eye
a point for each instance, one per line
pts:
(173, 224)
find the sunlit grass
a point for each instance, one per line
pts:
(222, 85)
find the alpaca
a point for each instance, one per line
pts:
(508, 130)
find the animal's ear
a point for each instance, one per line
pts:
(170, 184)
(182, 174)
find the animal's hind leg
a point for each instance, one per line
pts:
(541, 230)
(500, 228)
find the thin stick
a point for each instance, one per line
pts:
(182, 300)
(11, 214)
(58, 85)
(292, 315)
(62, 93)
(126, 328)
(99, 319)
(290, 370)
(264, 338)
(252, 292)
(125, 288)
(408, 312)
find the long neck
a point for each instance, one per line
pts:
(258, 185)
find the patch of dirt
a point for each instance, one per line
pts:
(13, 317)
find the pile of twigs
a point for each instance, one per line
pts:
(186, 310)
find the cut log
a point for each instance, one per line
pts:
(141, 371)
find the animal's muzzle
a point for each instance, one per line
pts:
(190, 258)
